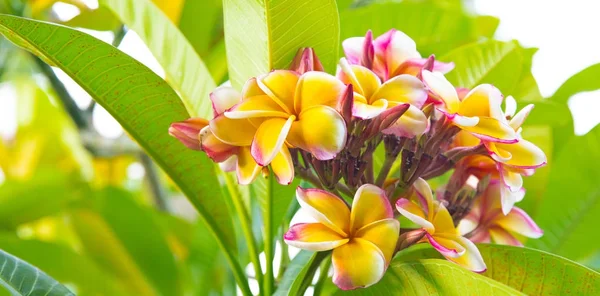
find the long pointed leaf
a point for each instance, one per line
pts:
(262, 35)
(22, 278)
(185, 70)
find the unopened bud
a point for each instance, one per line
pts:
(306, 60)
(346, 104)
(368, 52)
(410, 238)
(187, 132)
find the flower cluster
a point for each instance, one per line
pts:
(373, 134)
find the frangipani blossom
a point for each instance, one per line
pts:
(196, 133)
(477, 113)
(393, 54)
(371, 98)
(487, 223)
(441, 233)
(286, 110)
(363, 238)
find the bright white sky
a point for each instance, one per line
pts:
(562, 30)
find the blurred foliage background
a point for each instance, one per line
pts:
(94, 212)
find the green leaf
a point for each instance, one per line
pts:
(184, 69)
(432, 277)
(143, 104)
(64, 264)
(22, 278)
(435, 28)
(527, 270)
(262, 35)
(486, 25)
(488, 62)
(101, 19)
(571, 205)
(302, 267)
(585, 80)
(208, 15)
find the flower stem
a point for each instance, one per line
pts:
(323, 275)
(385, 170)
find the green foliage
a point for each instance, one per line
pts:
(185, 70)
(300, 272)
(22, 278)
(278, 29)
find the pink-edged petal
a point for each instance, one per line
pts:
(524, 154)
(283, 166)
(257, 106)
(509, 198)
(370, 204)
(229, 164)
(325, 208)
(280, 86)
(247, 169)
(483, 100)
(513, 180)
(313, 237)
(449, 248)
(493, 130)
(318, 89)
(468, 224)
(402, 89)
(518, 221)
(269, 138)
(368, 111)
(392, 49)
(498, 154)
(252, 89)
(363, 80)
(215, 148)
(442, 89)
(412, 123)
(503, 237)
(353, 49)
(384, 234)
(188, 132)
(517, 120)
(425, 196)
(463, 121)
(481, 237)
(510, 107)
(443, 223)
(319, 130)
(413, 67)
(471, 259)
(236, 132)
(357, 264)
(223, 98)
(414, 213)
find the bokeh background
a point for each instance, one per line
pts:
(76, 200)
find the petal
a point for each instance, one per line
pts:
(396, 48)
(412, 123)
(424, 195)
(319, 130)
(247, 169)
(442, 88)
(414, 213)
(283, 167)
(468, 223)
(370, 204)
(269, 139)
(443, 223)
(402, 89)
(236, 132)
(413, 67)
(509, 198)
(497, 153)
(524, 154)
(357, 264)
(490, 129)
(471, 259)
(520, 117)
(229, 164)
(257, 106)
(481, 237)
(368, 111)
(483, 100)
(519, 222)
(462, 121)
(318, 88)
(187, 131)
(353, 48)
(313, 237)
(383, 234)
(252, 89)
(280, 85)
(447, 247)
(513, 180)
(223, 98)
(325, 208)
(214, 148)
(510, 107)
(364, 81)
(503, 237)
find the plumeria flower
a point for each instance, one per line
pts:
(486, 222)
(393, 54)
(362, 238)
(509, 162)
(286, 110)
(439, 228)
(371, 98)
(478, 113)
(196, 133)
